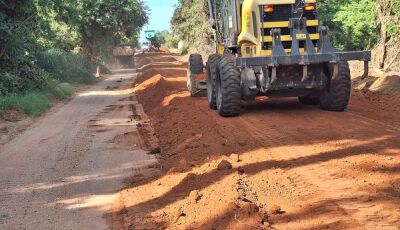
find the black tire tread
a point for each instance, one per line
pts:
(337, 95)
(196, 64)
(212, 65)
(229, 78)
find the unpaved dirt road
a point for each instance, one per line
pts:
(280, 165)
(64, 172)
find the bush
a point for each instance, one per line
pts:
(67, 89)
(8, 83)
(66, 66)
(34, 84)
(26, 78)
(56, 90)
(171, 41)
(184, 49)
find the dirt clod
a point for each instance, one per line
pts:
(194, 196)
(179, 213)
(224, 165)
(275, 210)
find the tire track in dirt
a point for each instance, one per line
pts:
(320, 177)
(297, 181)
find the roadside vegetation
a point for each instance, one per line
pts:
(355, 25)
(47, 44)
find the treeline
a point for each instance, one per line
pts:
(45, 42)
(355, 25)
(190, 25)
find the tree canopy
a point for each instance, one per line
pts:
(101, 23)
(90, 27)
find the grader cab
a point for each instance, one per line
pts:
(274, 48)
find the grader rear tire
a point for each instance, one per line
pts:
(196, 64)
(195, 67)
(211, 67)
(228, 89)
(336, 96)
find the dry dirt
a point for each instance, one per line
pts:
(65, 170)
(280, 165)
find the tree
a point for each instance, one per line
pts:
(388, 12)
(190, 23)
(352, 22)
(103, 23)
(356, 19)
(20, 26)
(30, 27)
(159, 38)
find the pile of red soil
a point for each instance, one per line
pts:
(376, 105)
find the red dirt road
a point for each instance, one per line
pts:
(284, 165)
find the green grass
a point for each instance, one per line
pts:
(37, 102)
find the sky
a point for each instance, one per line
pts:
(161, 12)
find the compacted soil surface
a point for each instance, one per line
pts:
(65, 170)
(280, 165)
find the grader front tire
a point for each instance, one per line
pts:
(336, 96)
(228, 88)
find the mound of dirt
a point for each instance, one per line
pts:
(386, 84)
(363, 84)
(376, 105)
(164, 49)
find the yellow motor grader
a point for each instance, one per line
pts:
(274, 48)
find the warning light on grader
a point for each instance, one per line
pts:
(268, 9)
(309, 6)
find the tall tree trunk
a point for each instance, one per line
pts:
(381, 10)
(386, 16)
(383, 44)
